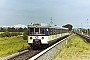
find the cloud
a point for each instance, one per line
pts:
(3, 3)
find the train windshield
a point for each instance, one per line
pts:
(37, 31)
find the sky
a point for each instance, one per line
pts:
(74, 12)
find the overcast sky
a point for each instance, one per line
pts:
(75, 12)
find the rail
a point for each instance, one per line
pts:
(50, 52)
(86, 37)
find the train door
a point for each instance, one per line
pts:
(46, 31)
(37, 30)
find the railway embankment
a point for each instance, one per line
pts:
(51, 51)
(77, 48)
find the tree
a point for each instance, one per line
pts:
(3, 29)
(20, 30)
(69, 26)
(25, 29)
(9, 29)
(25, 35)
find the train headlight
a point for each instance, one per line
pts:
(42, 38)
(30, 37)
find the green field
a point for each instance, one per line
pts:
(10, 45)
(1, 32)
(76, 49)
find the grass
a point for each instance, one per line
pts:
(10, 45)
(1, 32)
(76, 49)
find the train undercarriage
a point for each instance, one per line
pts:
(37, 44)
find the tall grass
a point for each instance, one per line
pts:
(75, 48)
(10, 45)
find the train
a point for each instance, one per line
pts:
(40, 35)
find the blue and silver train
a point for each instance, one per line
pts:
(44, 35)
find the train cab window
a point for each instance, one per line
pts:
(31, 31)
(36, 30)
(42, 31)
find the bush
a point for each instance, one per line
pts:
(9, 34)
(2, 35)
(25, 36)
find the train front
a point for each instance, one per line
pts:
(37, 36)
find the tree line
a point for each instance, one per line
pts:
(9, 32)
(12, 29)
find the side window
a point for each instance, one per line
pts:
(55, 31)
(31, 31)
(50, 31)
(60, 31)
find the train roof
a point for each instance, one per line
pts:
(56, 27)
(38, 25)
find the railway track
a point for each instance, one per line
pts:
(26, 55)
(86, 37)
(30, 53)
